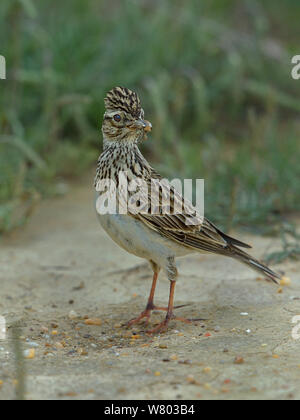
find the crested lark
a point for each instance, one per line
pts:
(157, 237)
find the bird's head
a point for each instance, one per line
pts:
(124, 118)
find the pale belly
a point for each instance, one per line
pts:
(136, 238)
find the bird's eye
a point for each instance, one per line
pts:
(117, 118)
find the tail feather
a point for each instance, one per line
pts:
(255, 265)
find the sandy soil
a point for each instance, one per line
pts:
(62, 261)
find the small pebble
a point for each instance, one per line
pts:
(73, 315)
(185, 362)
(33, 344)
(29, 354)
(44, 330)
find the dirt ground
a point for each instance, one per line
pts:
(63, 261)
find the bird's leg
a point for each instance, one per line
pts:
(170, 315)
(150, 305)
(163, 326)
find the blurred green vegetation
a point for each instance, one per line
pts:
(214, 78)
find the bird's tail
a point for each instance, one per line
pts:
(255, 264)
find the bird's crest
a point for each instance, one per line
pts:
(120, 98)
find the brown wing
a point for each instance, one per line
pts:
(200, 235)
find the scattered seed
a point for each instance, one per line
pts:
(59, 345)
(207, 370)
(191, 380)
(82, 352)
(285, 281)
(157, 373)
(93, 321)
(135, 337)
(79, 287)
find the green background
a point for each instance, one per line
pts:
(214, 78)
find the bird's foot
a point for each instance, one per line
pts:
(147, 313)
(163, 326)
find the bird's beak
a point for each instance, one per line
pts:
(148, 126)
(144, 124)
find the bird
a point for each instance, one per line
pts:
(163, 236)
